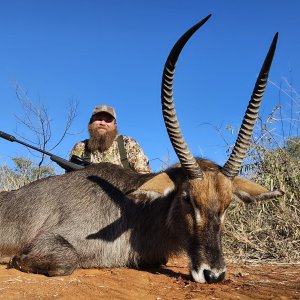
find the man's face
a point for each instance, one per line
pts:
(103, 122)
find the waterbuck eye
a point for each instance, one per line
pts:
(186, 197)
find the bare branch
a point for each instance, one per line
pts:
(36, 120)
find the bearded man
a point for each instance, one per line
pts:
(106, 145)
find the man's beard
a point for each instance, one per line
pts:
(100, 141)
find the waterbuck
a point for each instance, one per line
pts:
(107, 216)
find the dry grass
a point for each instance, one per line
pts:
(270, 230)
(263, 231)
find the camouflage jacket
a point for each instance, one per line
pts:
(138, 161)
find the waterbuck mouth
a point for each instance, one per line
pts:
(207, 275)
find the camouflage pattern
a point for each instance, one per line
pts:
(138, 161)
(104, 108)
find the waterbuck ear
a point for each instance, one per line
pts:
(249, 191)
(156, 187)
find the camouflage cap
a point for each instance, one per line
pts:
(104, 108)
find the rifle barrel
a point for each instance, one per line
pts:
(65, 164)
(7, 136)
(11, 138)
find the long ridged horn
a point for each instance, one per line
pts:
(233, 164)
(188, 162)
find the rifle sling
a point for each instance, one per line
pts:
(122, 150)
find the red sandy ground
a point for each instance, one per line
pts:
(243, 281)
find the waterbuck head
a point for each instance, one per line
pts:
(204, 190)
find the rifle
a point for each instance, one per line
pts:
(63, 163)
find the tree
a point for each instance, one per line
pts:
(37, 124)
(23, 172)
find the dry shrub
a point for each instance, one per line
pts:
(263, 231)
(271, 229)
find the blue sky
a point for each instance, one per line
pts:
(113, 52)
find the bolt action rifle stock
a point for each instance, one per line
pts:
(78, 163)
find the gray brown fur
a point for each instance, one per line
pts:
(89, 211)
(88, 218)
(86, 215)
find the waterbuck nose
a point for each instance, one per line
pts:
(211, 277)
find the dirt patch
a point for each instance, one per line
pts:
(243, 281)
